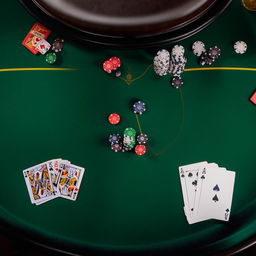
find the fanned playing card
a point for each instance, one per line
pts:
(215, 193)
(188, 179)
(70, 180)
(207, 191)
(38, 183)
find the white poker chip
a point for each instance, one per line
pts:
(240, 47)
(178, 50)
(163, 53)
(161, 65)
(198, 48)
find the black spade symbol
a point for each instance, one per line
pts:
(215, 199)
(227, 210)
(216, 188)
(202, 177)
(182, 175)
(190, 174)
(194, 182)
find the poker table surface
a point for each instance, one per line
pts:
(127, 203)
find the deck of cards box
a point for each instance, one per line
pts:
(52, 179)
(207, 191)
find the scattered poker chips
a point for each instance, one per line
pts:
(57, 45)
(198, 48)
(210, 56)
(240, 47)
(170, 63)
(139, 107)
(114, 118)
(51, 58)
(111, 65)
(142, 138)
(115, 138)
(140, 150)
(128, 140)
(176, 82)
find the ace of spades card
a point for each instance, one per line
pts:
(70, 180)
(215, 192)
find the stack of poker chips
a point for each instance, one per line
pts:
(206, 57)
(128, 141)
(112, 66)
(174, 64)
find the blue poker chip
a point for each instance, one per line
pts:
(139, 107)
(115, 138)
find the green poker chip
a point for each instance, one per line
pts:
(130, 132)
(50, 57)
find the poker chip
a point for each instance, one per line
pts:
(161, 62)
(50, 58)
(214, 52)
(178, 50)
(140, 150)
(118, 73)
(116, 62)
(205, 59)
(142, 138)
(114, 118)
(129, 132)
(176, 82)
(117, 147)
(178, 60)
(125, 148)
(139, 107)
(198, 48)
(108, 66)
(114, 138)
(57, 45)
(240, 47)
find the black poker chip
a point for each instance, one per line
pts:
(205, 59)
(176, 82)
(214, 52)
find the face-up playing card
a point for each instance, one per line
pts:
(195, 180)
(188, 179)
(38, 183)
(215, 192)
(43, 46)
(55, 172)
(70, 180)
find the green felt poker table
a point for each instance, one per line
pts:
(127, 203)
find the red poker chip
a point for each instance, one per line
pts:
(108, 66)
(140, 150)
(116, 62)
(114, 118)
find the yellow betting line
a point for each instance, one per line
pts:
(35, 69)
(220, 68)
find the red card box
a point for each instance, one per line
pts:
(36, 33)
